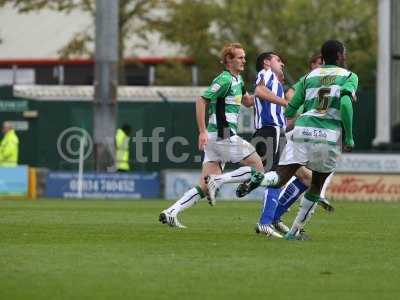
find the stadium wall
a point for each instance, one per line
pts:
(40, 124)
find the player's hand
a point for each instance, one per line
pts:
(248, 100)
(290, 124)
(347, 148)
(348, 145)
(203, 139)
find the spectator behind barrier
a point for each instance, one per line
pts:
(9, 146)
(122, 138)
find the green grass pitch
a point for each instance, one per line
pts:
(96, 249)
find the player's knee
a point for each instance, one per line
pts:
(304, 175)
(258, 163)
(203, 186)
(254, 160)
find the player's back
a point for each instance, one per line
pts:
(322, 89)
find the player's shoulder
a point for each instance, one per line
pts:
(353, 75)
(298, 83)
(301, 79)
(314, 73)
(265, 73)
(349, 75)
(346, 72)
(306, 77)
(329, 71)
(223, 77)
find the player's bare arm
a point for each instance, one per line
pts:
(290, 123)
(248, 100)
(265, 94)
(201, 105)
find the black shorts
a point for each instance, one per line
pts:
(269, 142)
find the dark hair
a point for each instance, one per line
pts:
(261, 57)
(329, 51)
(126, 128)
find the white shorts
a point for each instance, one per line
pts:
(319, 157)
(233, 149)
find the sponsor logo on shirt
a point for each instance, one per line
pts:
(315, 133)
(215, 87)
(328, 80)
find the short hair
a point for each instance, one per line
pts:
(126, 128)
(330, 49)
(228, 51)
(313, 59)
(261, 57)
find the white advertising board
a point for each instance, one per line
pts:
(369, 163)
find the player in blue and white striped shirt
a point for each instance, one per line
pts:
(270, 123)
(277, 202)
(269, 112)
(269, 103)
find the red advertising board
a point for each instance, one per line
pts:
(364, 187)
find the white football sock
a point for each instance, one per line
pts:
(306, 210)
(239, 175)
(270, 179)
(326, 184)
(190, 198)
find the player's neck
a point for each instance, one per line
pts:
(233, 72)
(334, 64)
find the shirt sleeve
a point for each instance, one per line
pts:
(260, 77)
(218, 88)
(295, 86)
(296, 101)
(349, 88)
(263, 77)
(346, 113)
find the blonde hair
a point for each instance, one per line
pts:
(228, 51)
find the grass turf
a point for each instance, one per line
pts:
(118, 250)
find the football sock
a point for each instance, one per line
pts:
(239, 175)
(190, 198)
(270, 179)
(326, 184)
(270, 203)
(288, 196)
(307, 208)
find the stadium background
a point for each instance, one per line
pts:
(46, 91)
(108, 243)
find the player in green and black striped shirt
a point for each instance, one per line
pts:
(219, 140)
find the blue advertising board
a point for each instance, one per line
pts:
(14, 181)
(104, 185)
